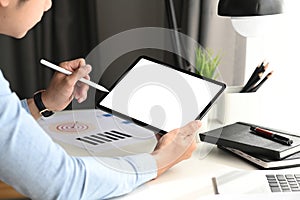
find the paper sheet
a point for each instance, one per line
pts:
(94, 130)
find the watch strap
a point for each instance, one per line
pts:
(37, 97)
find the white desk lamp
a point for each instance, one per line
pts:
(250, 17)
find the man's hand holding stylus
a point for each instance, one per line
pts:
(62, 89)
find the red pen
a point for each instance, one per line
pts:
(271, 135)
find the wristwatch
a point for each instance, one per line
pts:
(37, 97)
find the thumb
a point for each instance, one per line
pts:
(81, 72)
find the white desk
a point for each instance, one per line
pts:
(190, 179)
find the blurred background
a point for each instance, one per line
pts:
(71, 29)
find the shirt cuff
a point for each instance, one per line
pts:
(145, 164)
(117, 176)
(25, 105)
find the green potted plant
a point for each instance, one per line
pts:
(207, 63)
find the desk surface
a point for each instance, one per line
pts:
(190, 179)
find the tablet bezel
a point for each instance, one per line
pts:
(148, 126)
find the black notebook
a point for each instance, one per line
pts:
(263, 162)
(238, 136)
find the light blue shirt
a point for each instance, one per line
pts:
(40, 169)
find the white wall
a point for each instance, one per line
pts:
(220, 36)
(279, 45)
(282, 49)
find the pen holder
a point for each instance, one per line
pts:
(234, 106)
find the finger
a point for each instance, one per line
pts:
(81, 90)
(73, 64)
(82, 93)
(196, 125)
(191, 127)
(80, 84)
(78, 74)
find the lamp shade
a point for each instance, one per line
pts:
(243, 8)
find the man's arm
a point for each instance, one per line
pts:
(47, 171)
(37, 167)
(40, 169)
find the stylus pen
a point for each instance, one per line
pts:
(64, 71)
(272, 136)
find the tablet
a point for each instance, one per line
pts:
(160, 97)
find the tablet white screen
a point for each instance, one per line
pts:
(160, 96)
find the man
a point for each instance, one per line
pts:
(40, 169)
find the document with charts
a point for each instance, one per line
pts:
(94, 130)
